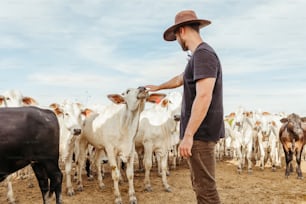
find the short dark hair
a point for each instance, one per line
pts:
(194, 26)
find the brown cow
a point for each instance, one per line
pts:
(292, 136)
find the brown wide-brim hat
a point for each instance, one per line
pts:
(184, 18)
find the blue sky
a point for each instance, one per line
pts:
(54, 50)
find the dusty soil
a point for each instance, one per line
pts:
(259, 187)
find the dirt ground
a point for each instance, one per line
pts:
(259, 187)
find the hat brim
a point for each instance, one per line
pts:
(169, 34)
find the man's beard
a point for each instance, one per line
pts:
(184, 46)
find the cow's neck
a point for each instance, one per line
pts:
(129, 121)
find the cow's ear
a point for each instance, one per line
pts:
(87, 112)
(165, 103)
(284, 120)
(56, 108)
(116, 98)
(29, 101)
(1, 99)
(54, 105)
(303, 119)
(156, 97)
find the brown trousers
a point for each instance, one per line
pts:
(202, 165)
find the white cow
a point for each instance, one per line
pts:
(14, 98)
(71, 120)
(266, 139)
(114, 130)
(243, 131)
(225, 146)
(157, 125)
(174, 156)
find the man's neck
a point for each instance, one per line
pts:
(194, 43)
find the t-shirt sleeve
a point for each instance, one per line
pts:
(205, 65)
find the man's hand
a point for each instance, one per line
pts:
(152, 88)
(185, 146)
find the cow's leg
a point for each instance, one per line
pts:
(42, 178)
(157, 157)
(148, 165)
(140, 159)
(175, 156)
(239, 157)
(262, 151)
(112, 159)
(130, 177)
(80, 162)
(273, 154)
(298, 162)
(97, 159)
(243, 156)
(10, 192)
(163, 163)
(56, 178)
(278, 153)
(288, 158)
(68, 166)
(159, 165)
(249, 157)
(121, 166)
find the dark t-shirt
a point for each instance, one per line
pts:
(204, 63)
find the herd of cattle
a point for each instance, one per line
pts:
(124, 130)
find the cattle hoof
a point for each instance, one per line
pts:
(300, 177)
(90, 178)
(118, 201)
(70, 192)
(148, 189)
(11, 201)
(102, 186)
(80, 188)
(168, 190)
(133, 200)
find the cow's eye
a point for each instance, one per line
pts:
(7, 99)
(67, 114)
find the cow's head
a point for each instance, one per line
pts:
(72, 116)
(14, 98)
(294, 123)
(134, 98)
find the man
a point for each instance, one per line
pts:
(202, 107)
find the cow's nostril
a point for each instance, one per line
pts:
(76, 131)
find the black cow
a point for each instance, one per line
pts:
(30, 135)
(292, 136)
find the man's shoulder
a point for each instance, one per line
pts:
(206, 47)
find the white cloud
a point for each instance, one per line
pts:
(256, 41)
